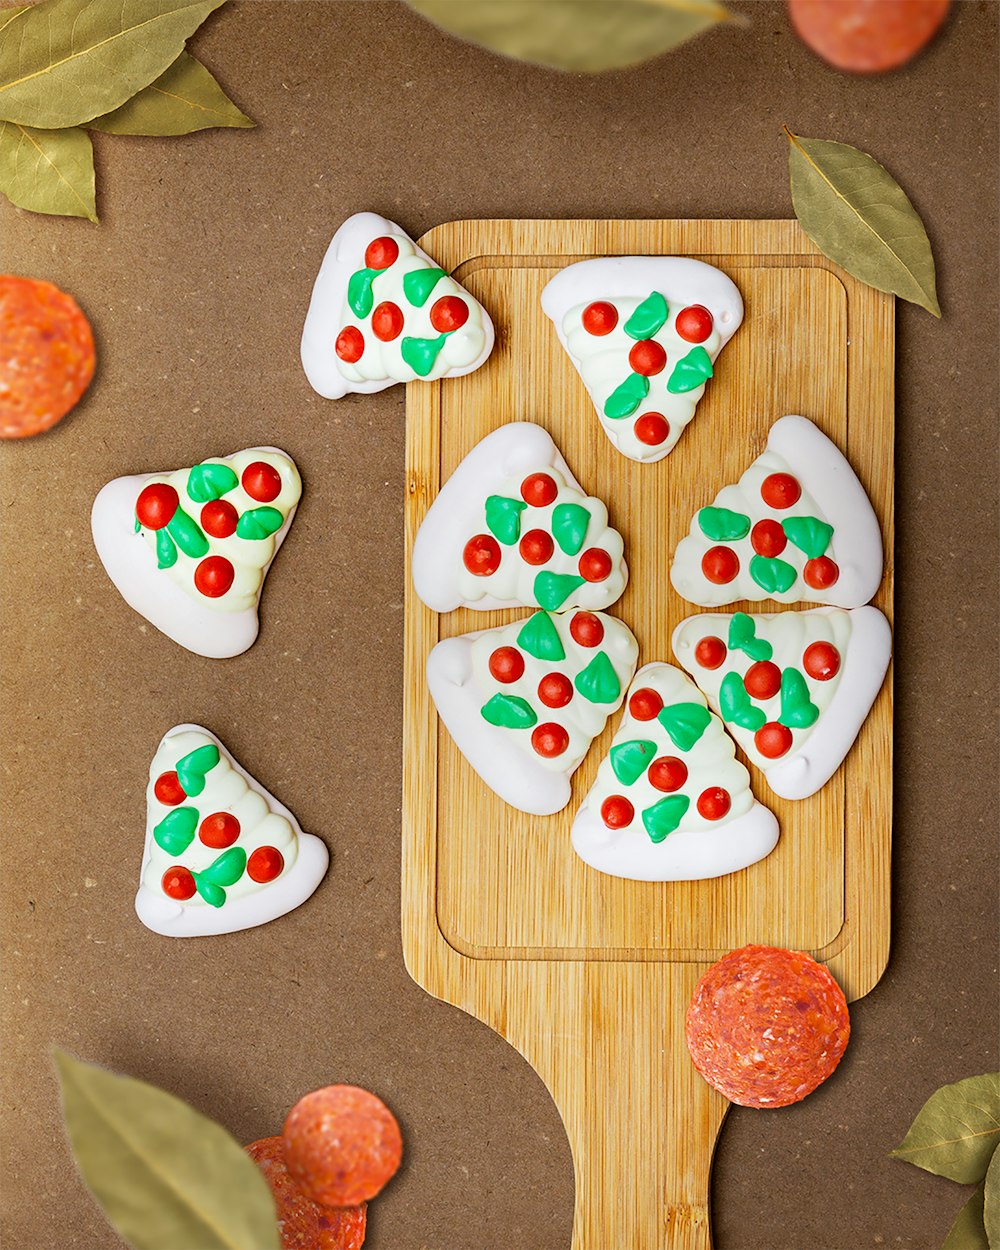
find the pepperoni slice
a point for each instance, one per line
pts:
(648, 358)
(482, 555)
(773, 740)
(178, 883)
(47, 350)
(714, 803)
(652, 428)
(617, 812)
(350, 344)
(821, 573)
(156, 505)
(219, 518)
(448, 313)
(219, 830)
(168, 789)
(768, 538)
(555, 690)
(302, 1223)
(780, 490)
(539, 490)
(586, 629)
(668, 773)
(711, 652)
(507, 664)
(767, 1026)
(645, 704)
(536, 547)
(549, 740)
(694, 323)
(265, 864)
(387, 321)
(381, 252)
(594, 565)
(720, 565)
(762, 680)
(213, 576)
(262, 481)
(600, 318)
(821, 660)
(863, 37)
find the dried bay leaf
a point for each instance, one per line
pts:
(184, 98)
(164, 1175)
(956, 1131)
(577, 35)
(8, 15)
(63, 62)
(991, 1203)
(858, 215)
(968, 1232)
(48, 171)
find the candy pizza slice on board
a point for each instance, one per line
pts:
(221, 853)
(524, 702)
(670, 801)
(793, 688)
(189, 549)
(798, 525)
(512, 527)
(382, 312)
(644, 333)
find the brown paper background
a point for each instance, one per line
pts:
(197, 281)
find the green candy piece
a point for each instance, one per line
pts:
(540, 638)
(360, 296)
(722, 525)
(624, 399)
(598, 682)
(228, 868)
(175, 832)
(187, 535)
(420, 354)
(213, 894)
(191, 768)
(648, 318)
(664, 817)
(797, 710)
(210, 481)
(771, 574)
(503, 518)
(629, 760)
(553, 589)
(736, 705)
(809, 534)
(569, 526)
(509, 711)
(137, 525)
(166, 551)
(418, 284)
(685, 723)
(259, 523)
(743, 637)
(690, 372)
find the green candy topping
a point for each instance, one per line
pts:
(722, 525)
(187, 535)
(743, 637)
(360, 296)
(503, 518)
(509, 711)
(166, 551)
(137, 524)
(418, 284)
(648, 318)
(809, 534)
(175, 832)
(420, 354)
(624, 399)
(259, 523)
(598, 682)
(737, 706)
(685, 723)
(690, 372)
(210, 481)
(540, 638)
(226, 870)
(629, 760)
(191, 768)
(664, 817)
(771, 574)
(209, 891)
(569, 526)
(797, 710)
(553, 589)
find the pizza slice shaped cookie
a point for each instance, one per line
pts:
(671, 802)
(189, 550)
(798, 525)
(382, 312)
(793, 689)
(512, 527)
(221, 853)
(644, 333)
(524, 702)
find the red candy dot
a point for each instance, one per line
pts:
(694, 323)
(156, 504)
(645, 704)
(647, 358)
(178, 883)
(720, 565)
(595, 565)
(600, 318)
(652, 429)
(762, 680)
(710, 652)
(586, 629)
(714, 802)
(617, 812)
(218, 518)
(536, 547)
(213, 576)
(555, 690)
(539, 490)
(780, 490)
(262, 481)
(350, 344)
(265, 864)
(168, 789)
(773, 740)
(507, 664)
(821, 660)
(820, 573)
(381, 252)
(482, 555)
(449, 313)
(219, 830)
(387, 321)
(668, 773)
(549, 740)
(768, 538)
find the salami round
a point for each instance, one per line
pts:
(304, 1224)
(47, 350)
(342, 1144)
(767, 1026)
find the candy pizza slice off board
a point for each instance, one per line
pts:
(587, 974)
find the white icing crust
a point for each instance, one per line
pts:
(496, 466)
(467, 348)
(697, 848)
(189, 619)
(831, 492)
(248, 903)
(682, 281)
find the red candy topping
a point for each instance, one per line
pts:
(539, 490)
(694, 323)
(381, 252)
(507, 664)
(768, 538)
(710, 652)
(449, 313)
(549, 740)
(219, 830)
(555, 690)
(617, 812)
(586, 629)
(668, 773)
(265, 864)
(168, 789)
(213, 576)
(218, 518)
(536, 547)
(820, 573)
(821, 660)
(262, 481)
(714, 803)
(720, 565)
(652, 428)
(350, 345)
(600, 318)
(647, 357)
(387, 321)
(773, 740)
(762, 680)
(645, 704)
(595, 565)
(482, 555)
(780, 490)
(156, 504)
(178, 883)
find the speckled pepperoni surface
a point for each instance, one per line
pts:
(304, 1224)
(767, 1026)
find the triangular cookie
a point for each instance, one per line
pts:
(382, 312)
(644, 333)
(671, 802)
(221, 853)
(512, 527)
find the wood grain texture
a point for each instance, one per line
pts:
(587, 975)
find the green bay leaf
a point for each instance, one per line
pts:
(991, 1202)
(858, 215)
(956, 1130)
(48, 171)
(183, 99)
(165, 1175)
(8, 15)
(969, 1229)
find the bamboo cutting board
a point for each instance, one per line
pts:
(589, 976)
